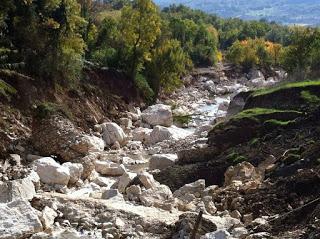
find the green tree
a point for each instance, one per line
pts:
(140, 27)
(47, 35)
(299, 57)
(169, 63)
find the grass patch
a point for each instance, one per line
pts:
(254, 142)
(234, 158)
(310, 98)
(301, 84)
(279, 122)
(6, 90)
(182, 119)
(252, 113)
(47, 109)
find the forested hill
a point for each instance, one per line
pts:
(305, 12)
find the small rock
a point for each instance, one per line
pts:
(220, 234)
(125, 180)
(47, 217)
(113, 133)
(109, 168)
(147, 180)
(112, 193)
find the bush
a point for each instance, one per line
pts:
(144, 88)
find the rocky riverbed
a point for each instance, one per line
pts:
(72, 184)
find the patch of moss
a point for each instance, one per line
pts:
(262, 111)
(282, 123)
(300, 84)
(234, 158)
(6, 90)
(310, 98)
(46, 109)
(254, 142)
(182, 119)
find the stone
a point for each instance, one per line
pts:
(125, 180)
(109, 168)
(15, 159)
(160, 133)
(51, 172)
(32, 157)
(243, 172)
(255, 74)
(57, 135)
(75, 169)
(209, 205)
(47, 217)
(126, 123)
(195, 189)
(159, 196)
(133, 192)
(111, 194)
(141, 134)
(162, 161)
(17, 189)
(147, 180)
(116, 146)
(239, 232)
(158, 115)
(247, 218)
(18, 220)
(236, 214)
(111, 132)
(210, 86)
(104, 182)
(219, 234)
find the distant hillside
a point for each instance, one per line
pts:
(306, 12)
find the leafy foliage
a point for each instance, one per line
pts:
(257, 52)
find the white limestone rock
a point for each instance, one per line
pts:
(51, 172)
(162, 161)
(158, 115)
(111, 133)
(75, 169)
(18, 220)
(125, 180)
(109, 168)
(17, 189)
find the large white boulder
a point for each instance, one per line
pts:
(158, 115)
(59, 136)
(112, 133)
(109, 168)
(51, 172)
(18, 220)
(162, 161)
(160, 133)
(75, 169)
(141, 134)
(17, 189)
